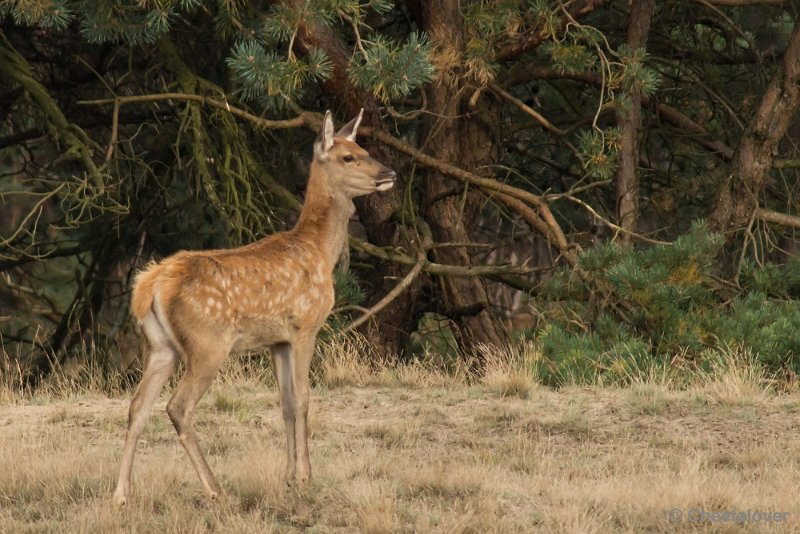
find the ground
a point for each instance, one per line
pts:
(397, 455)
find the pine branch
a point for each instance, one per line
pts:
(576, 10)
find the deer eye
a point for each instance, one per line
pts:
(348, 159)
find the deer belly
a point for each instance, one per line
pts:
(258, 332)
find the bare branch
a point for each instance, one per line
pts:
(487, 184)
(393, 255)
(540, 225)
(611, 225)
(391, 295)
(787, 164)
(259, 122)
(546, 124)
(15, 67)
(312, 121)
(36, 211)
(697, 132)
(700, 135)
(775, 217)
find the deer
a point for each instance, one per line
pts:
(276, 293)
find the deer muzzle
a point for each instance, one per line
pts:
(385, 179)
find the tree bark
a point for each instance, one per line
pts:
(630, 121)
(453, 137)
(738, 196)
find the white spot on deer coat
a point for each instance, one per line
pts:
(302, 303)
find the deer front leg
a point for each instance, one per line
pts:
(283, 368)
(303, 352)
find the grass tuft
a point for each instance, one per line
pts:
(343, 361)
(735, 378)
(509, 372)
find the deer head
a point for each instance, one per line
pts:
(349, 168)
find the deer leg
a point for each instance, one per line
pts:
(303, 352)
(159, 365)
(282, 366)
(194, 383)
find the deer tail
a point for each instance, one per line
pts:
(143, 291)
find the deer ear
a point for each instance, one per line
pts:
(350, 129)
(324, 140)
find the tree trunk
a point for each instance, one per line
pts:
(396, 321)
(630, 121)
(452, 138)
(738, 196)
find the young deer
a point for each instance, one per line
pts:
(273, 293)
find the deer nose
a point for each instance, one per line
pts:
(385, 180)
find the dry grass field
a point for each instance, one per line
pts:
(410, 449)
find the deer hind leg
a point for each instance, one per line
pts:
(195, 382)
(283, 369)
(159, 366)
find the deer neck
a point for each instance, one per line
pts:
(324, 217)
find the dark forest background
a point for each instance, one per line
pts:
(613, 181)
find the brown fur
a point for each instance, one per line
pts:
(142, 299)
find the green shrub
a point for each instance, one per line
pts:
(629, 310)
